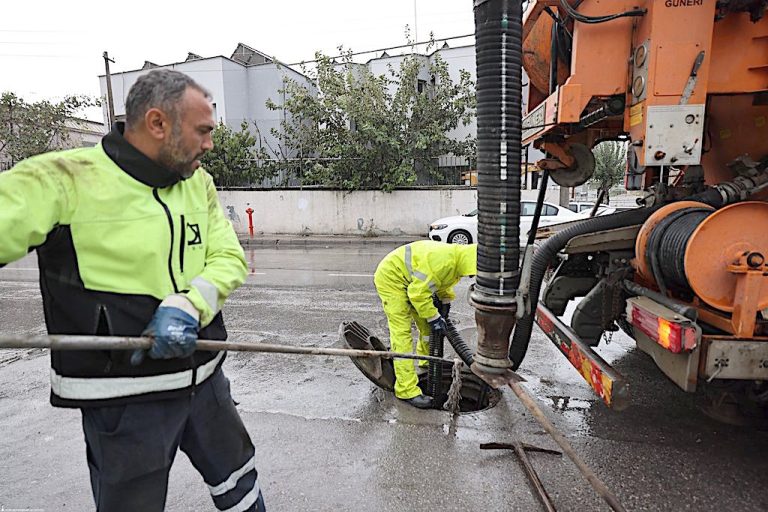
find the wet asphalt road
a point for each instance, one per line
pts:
(328, 440)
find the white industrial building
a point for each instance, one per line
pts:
(242, 83)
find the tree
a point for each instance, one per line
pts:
(355, 130)
(610, 165)
(235, 159)
(28, 129)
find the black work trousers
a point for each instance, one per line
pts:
(130, 450)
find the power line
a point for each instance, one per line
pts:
(2, 30)
(57, 43)
(217, 70)
(385, 49)
(44, 56)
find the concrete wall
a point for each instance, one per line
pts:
(333, 212)
(344, 213)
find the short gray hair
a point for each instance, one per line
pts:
(160, 88)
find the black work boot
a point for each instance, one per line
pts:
(420, 402)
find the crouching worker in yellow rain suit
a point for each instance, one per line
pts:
(406, 279)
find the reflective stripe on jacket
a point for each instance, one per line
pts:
(115, 234)
(426, 267)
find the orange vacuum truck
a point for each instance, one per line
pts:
(684, 83)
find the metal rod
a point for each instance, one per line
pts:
(598, 201)
(67, 342)
(539, 206)
(553, 55)
(593, 480)
(520, 449)
(526, 446)
(533, 477)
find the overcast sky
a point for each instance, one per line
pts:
(51, 48)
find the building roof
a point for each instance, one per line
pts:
(445, 47)
(243, 55)
(246, 55)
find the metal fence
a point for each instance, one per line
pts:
(449, 171)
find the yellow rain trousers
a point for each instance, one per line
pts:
(406, 279)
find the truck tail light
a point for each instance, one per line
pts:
(675, 336)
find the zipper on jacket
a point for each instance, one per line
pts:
(182, 242)
(170, 226)
(194, 375)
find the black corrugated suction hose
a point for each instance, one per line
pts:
(544, 256)
(435, 375)
(458, 344)
(498, 49)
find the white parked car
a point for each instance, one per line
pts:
(608, 210)
(603, 209)
(580, 206)
(462, 229)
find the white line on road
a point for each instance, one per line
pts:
(351, 275)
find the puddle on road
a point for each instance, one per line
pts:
(569, 403)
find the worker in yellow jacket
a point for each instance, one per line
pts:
(406, 279)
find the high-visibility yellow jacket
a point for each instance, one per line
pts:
(423, 268)
(115, 234)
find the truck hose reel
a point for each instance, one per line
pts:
(690, 246)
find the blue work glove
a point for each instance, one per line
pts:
(438, 326)
(173, 329)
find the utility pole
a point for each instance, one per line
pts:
(415, 23)
(110, 103)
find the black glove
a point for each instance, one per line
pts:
(443, 308)
(438, 326)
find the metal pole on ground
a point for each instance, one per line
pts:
(67, 342)
(591, 477)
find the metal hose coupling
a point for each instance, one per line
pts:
(495, 318)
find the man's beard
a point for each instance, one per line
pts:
(173, 156)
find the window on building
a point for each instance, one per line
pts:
(421, 86)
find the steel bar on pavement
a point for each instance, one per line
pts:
(519, 449)
(533, 477)
(591, 477)
(526, 447)
(71, 342)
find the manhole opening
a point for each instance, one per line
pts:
(475, 394)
